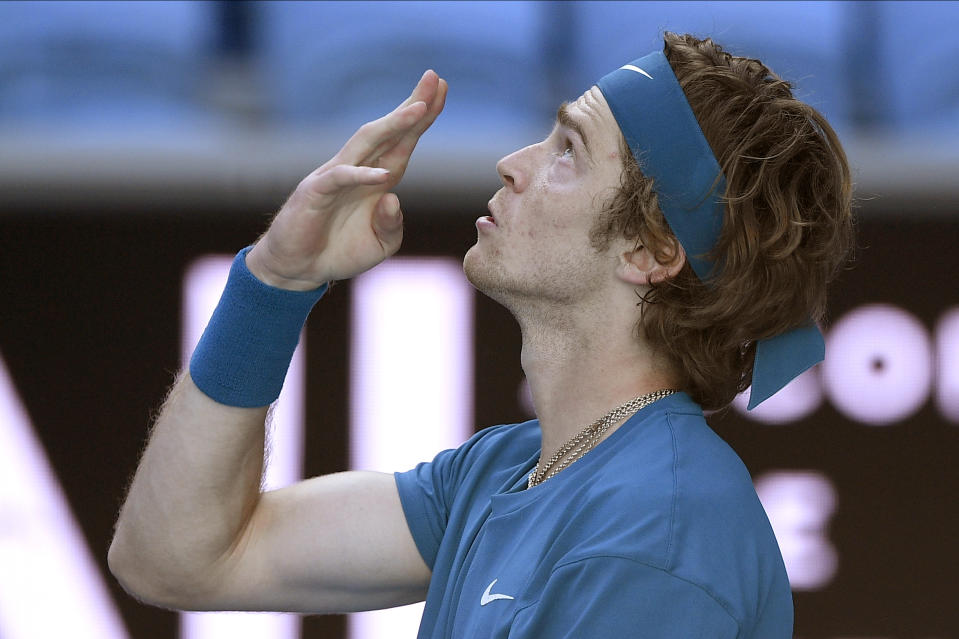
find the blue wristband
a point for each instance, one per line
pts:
(246, 349)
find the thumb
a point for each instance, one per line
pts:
(388, 222)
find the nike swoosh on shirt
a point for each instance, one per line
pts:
(633, 67)
(487, 597)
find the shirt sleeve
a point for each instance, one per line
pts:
(429, 491)
(425, 496)
(616, 598)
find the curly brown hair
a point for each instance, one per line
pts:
(788, 225)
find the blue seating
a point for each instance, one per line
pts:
(108, 62)
(344, 63)
(915, 57)
(508, 63)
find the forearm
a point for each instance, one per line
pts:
(196, 488)
(194, 531)
(198, 484)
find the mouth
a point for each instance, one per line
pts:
(488, 222)
(491, 216)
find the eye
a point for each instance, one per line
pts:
(568, 150)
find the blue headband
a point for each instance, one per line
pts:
(664, 136)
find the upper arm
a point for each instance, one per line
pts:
(336, 543)
(617, 597)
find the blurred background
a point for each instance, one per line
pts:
(143, 143)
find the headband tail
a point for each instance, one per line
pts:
(782, 358)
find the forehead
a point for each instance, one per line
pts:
(593, 114)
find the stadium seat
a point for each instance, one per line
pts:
(106, 62)
(915, 58)
(343, 63)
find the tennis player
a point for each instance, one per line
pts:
(666, 247)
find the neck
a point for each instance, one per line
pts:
(580, 368)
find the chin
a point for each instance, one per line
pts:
(475, 267)
(486, 276)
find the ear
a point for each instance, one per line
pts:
(640, 268)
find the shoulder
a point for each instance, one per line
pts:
(674, 496)
(502, 444)
(494, 448)
(459, 481)
(513, 440)
(676, 462)
(670, 459)
(483, 462)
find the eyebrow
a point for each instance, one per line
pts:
(566, 120)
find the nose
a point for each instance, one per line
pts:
(511, 172)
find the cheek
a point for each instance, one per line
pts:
(555, 207)
(560, 174)
(554, 225)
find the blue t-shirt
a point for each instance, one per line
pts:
(657, 532)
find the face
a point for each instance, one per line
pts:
(535, 244)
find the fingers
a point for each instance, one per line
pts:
(395, 152)
(362, 147)
(344, 176)
(407, 117)
(424, 89)
(388, 223)
(435, 108)
(407, 142)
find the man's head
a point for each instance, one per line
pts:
(538, 253)
(786, 223)
(573, 222)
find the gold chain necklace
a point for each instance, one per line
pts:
(586, 439)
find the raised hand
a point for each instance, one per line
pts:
(342, 219)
